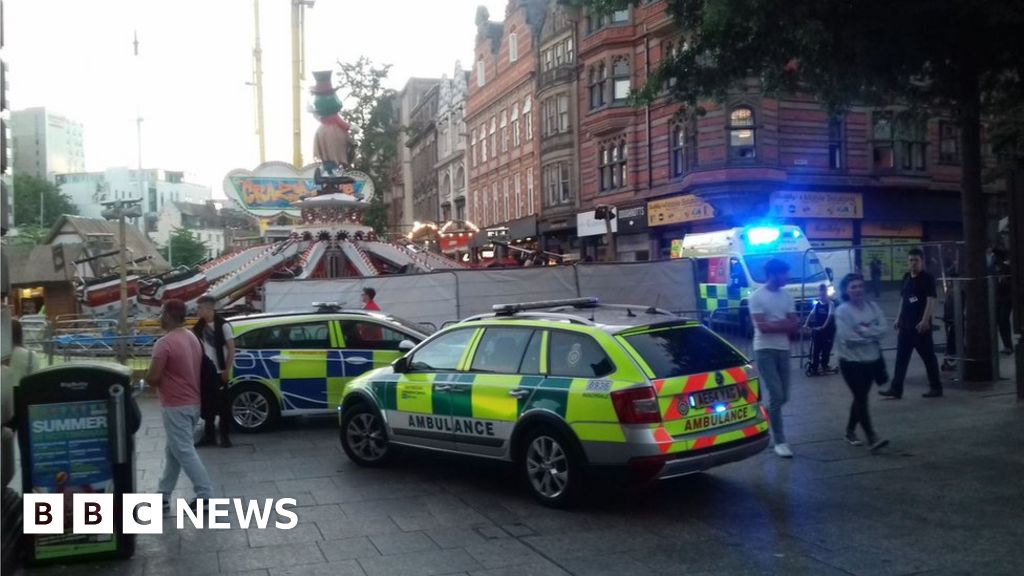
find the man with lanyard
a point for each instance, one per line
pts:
(914, 327)
(219, 355)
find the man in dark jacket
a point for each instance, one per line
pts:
(214, 333)
(914, 326)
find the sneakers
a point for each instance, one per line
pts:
(783, 450)
(878, 444)
(851, 438)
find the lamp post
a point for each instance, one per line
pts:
(120, 210)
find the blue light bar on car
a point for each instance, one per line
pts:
(763, 235)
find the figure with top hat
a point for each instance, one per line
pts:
(331, 146)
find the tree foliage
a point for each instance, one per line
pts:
(28, 190)
(371, 107)
(186, 248)
(959, 58)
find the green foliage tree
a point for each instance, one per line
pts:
(28, 191)
(371, 107)
(29, 235)
(186, 248)
(960, 58)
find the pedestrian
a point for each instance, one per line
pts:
(876, 276)
(1000, 268)
(823, 331)
(860, 328)
(774, 314)
(368, 299)
(914, 327)
(174, 373)
(218, 357)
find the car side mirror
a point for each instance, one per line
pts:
(401, 366)
(406, 345)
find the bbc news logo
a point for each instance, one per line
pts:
(143, 514)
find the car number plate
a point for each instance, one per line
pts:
(711, 396)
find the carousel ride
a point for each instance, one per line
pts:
(330, 239)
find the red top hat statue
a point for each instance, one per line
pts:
(332, 136)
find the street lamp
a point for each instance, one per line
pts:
(120, 210)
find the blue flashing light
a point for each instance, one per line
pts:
(796, 233)
(719, 408)
(763, 235)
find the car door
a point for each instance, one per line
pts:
(485, 401)
(302, 364)
(361, 345)
(422, 403)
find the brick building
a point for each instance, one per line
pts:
(500, 113)
(422, 144)
(867, 177)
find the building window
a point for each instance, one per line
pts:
(528, 118)
(620, 79)
(556, 115)
(460, 209)
(518, 189)
(612, 165)
(515, 126)
(560, 54)
(913, 137)
(483, 143)
(597, 77)
(476, 206)
(742, 144)
(494, 136)
(949, 143)
(504, 131)
(513, 47)
(557, 185)
(620, 16)
(474, 149)
(494, 203)
(835, 143)
(678, 150)
(481, 77)
(882, 140)
(505, 190)
(547, 60)
(529, 191)
(596, 22)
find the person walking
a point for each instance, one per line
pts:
(823, 331)
(1004, 297)
(876, 276)
(368, 299)
(774, 315)
(218, 357)
(860, 326)
(914, 326)
(174, 373)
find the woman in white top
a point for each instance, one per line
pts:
(860, 325)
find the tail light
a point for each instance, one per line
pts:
(637, 406)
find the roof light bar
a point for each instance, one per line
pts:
(327, 306)
(509, 309)
(763, 235)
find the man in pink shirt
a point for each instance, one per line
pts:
(174, 372)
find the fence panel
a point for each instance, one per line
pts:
(666, 284)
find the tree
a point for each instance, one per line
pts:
(29, 235)
(956, 57)
(372, 108)
(27, 192)
(186, 248)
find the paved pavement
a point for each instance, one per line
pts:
(945, 499)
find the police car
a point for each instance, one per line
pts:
(299, 363)
(557, 386)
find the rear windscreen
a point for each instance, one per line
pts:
(683, 350)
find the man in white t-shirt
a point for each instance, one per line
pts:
(774, 314)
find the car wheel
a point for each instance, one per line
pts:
(551, 466)
(254, 408)
(363, 436)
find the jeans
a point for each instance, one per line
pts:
(179, 426)
(859, 376)
(908, 340)
(773, 366)
(821, 347)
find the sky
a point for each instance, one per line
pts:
(189, 82)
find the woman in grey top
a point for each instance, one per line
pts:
(860, 326)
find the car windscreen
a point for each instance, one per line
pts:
(682, 350)
(801, 265)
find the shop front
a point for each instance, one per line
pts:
(558, 235)
(633, 241)
(670, 219)
(593, 234)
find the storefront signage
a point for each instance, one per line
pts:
(587, 224)
(497, 233)
(828, 229)
(892, 229)
(459, 241)
(678, 209)
(785, 204)
(633, 219)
